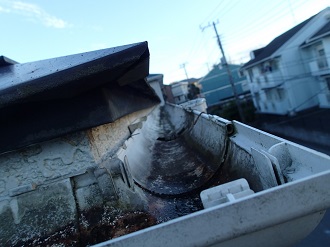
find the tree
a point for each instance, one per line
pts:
(193, 91)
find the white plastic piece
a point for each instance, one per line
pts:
(227, 192)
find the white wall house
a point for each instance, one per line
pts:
(180, 92)
(316, 51)
(281, 75)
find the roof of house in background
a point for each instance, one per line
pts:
(325, 30)
(218, 70)
(257, 52)
(322, 32)
(190, 80)
(276, 43)
(216, 87)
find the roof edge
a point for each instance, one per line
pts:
(5, 61)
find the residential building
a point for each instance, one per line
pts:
(316, 51)
(216, 87)
(284, 76)
(180, 92)
(168, 95)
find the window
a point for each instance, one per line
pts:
(274, 65)
(268, 67)
(178, 98)
(327, 82)
(265, 106)
(266, 78)
(250, 74)
(280, 93)
(321, 57)
(257, 100)
(257, 96)
(269, 95)
(274, 106)
(240, 73)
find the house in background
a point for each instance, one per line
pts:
(180, 92)
(168, 95)
(193, 88)
(316, 51)
(284, 76)
(216, 87)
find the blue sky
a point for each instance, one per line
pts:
(40, 29)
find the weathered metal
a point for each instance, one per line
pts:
(290, 183)
(177, 162)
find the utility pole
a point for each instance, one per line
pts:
(183, 66)
(231, 80)
(208, 68)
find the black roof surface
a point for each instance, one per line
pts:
(325, 29)
(276, 43)
(50, 98)
(5, 61)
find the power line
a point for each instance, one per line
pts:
(226, 10)
(290, 120)
(229, 8)
(209, 16)
(183, 66)
(240, 112)
(304, 62)
(264, 92)
(264, 21)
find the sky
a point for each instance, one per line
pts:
(178, 31)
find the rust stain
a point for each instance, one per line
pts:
(98, 232)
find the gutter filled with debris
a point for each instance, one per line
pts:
(136, 173)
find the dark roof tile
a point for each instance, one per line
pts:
(274, 45)
(5, 61)
(325, 29)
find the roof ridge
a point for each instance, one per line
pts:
(277, 43)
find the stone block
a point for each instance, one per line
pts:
(113, 166)
(84, 180)
(37, 214)
(21, 189)
(106, 184)
(89, 197)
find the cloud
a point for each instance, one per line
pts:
(33, 12)
(5, 10)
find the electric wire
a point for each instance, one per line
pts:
(263, 23)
